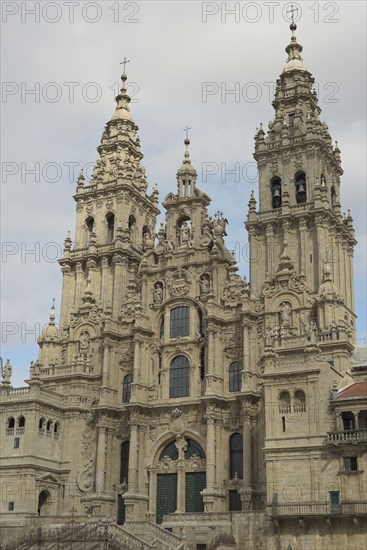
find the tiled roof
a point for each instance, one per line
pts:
(356, 390)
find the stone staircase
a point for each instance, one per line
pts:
(160, 538)
(93, 536)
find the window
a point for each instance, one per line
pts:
(49, 426)
(179, 377)
(300, 180)
(284, 402)
(348, 421)
(180, 321)
(124, 462)
(299, 401)
(16, 442)
(21, 422)
(193, 448)
(170, 450)
(235, 504)
(235, 371)
(334, 502)
(41, 424)
(291, 119)
(10, 506)
(126, 388)
(350, 463)
(236, 456)
(283, 423)
(276, 192)
(11, 423)
(201, 547)
(110, 219)
(89, 222)
(56, 429)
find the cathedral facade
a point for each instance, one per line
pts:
(175, 394)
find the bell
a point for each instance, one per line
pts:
(301, 189)
(276, 193)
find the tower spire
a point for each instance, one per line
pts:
(294, 61)
(186, 175)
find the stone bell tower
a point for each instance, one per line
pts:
(301, 273)
(298, 236)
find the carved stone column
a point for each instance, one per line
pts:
(249, 415)
(101, 460)
(181, 445)
(133, 454)
(212, 494)
(117, 285)
(78, 283)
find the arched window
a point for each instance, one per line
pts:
(110, 219)
(180, 321)
(170, 450)
(299, 401)
(126, 388)
(132, 228)
(179, 377)
(284, 402)
(300, 181)
(193, 448)
(41, 424)
(49, 426)
(44, 501)
(235, 370)
(21, 422)
(89, 222)
(276, 192)
(57, 428)
(11, 423)
(235, 456)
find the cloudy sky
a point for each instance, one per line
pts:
(60, 69)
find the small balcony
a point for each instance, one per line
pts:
(347, 436)
(302, 509)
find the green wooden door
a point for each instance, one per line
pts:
(195, 483)
(166, 495)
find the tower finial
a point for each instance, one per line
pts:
(292, 10)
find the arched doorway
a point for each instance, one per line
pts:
(44, 501)
(181, 477)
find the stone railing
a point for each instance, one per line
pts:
(352, 507)
(348, 436)
(128, 539)
(15, 392)
(156, 534)
(76, 535)
(19, 431)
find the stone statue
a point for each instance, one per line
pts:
(157, 294)
(268, 338)
(311, 333)
(285, 313)
(204, 285)
(185, 233)
(84, 343)
(7, 372)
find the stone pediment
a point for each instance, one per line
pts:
(48, 478)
